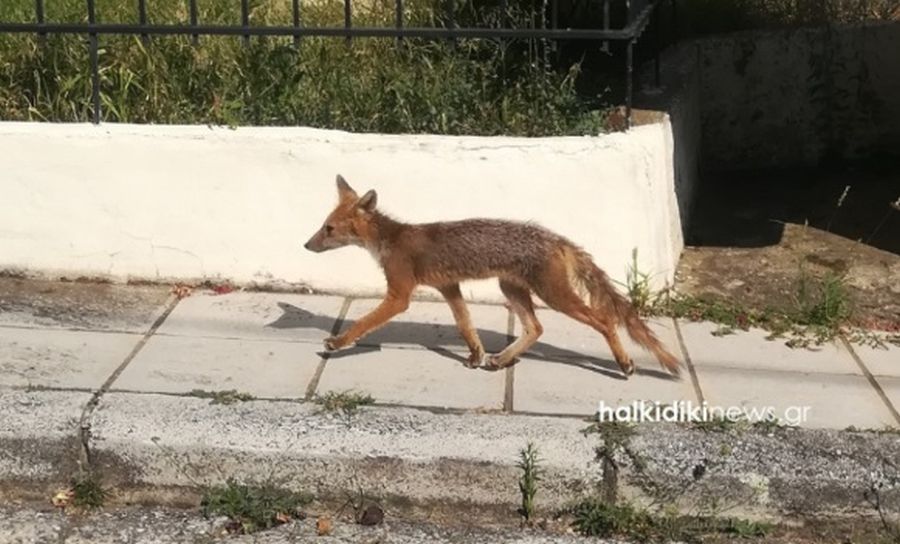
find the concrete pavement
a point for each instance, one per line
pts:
(269, 345)
(106, 376)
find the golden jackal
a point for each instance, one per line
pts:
(525, 257)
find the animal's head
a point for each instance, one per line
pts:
(349, 223)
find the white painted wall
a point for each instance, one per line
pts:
(164, 202)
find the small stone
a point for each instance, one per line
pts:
(324, 526)
(371, 515)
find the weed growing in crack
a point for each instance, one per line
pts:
(252, 508)
(616, 437)
(346, 403)
(231, 396)
(87, 492)
(529, 464)
(638, 288)
(597, 518)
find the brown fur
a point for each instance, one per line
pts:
(525, 257)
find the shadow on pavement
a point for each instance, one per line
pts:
(447, 337)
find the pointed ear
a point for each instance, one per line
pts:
(344, 189)
(368, 201)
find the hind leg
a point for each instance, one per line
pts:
(461, 314)
(559, 295)
(520, 303)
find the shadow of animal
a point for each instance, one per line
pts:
(448, 342)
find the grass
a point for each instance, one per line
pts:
(817, 311)
(596, 518)
(820, 307)
(252, 508)
(529, 464)
(638, 288)
(346, 403)
(87, 492)
(230, 396)
(369, 85)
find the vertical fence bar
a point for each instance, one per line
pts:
(39, 16)
(629, 83)
(657, 43)
(142, 17)
(348, 17)
(245, 19)
(605, 45)
(545, 43)
(195, 38)
(398, 18)
(95, 65)
(554, 24)
(295, 10)
(451, 17)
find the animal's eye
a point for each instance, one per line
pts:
(329, 229)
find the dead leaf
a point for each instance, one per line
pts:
(324, 526)
(63, 498)
(181, 291)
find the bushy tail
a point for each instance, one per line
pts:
(605, 298)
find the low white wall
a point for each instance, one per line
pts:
(163, 202)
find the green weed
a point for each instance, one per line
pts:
(252, 508)
(230, 396)
(596, 518)
(346, 403)
(529, 464)
(88, 493)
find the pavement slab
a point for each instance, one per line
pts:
(76, 305)
(413, 377)
(745, 370)
(571, 370)
(884, 364)
(61, 358)
(254, 316)
(881, 361)
(262, 368)
(431, 325)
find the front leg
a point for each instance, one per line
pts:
(396, 302)
(464, 322)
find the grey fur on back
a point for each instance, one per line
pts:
(486, 248)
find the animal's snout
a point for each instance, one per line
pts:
(314, 245)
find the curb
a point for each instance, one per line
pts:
(160, 447)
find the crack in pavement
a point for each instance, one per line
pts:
(84, 424)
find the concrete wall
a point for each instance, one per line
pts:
(161, 202)
(799, 97)
(678, 96)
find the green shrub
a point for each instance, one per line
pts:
(369, 85)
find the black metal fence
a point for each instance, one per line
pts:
(639, 14)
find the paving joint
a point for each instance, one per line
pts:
(871, 378)
(692, 372)
(84, 424)
(335, 329)
(509, 382)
